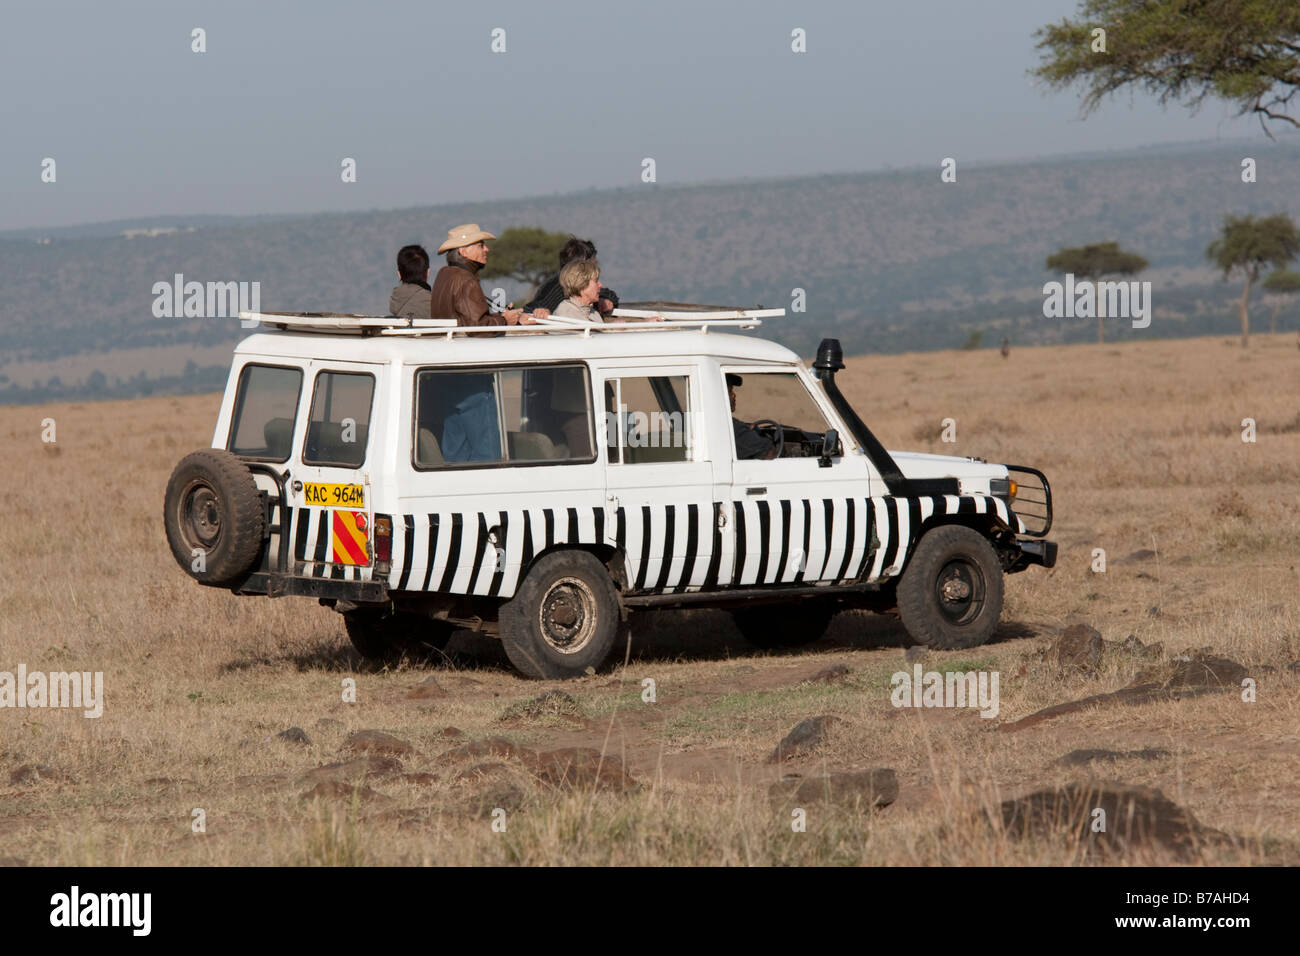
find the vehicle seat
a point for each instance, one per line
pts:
(427, 450)
(279, 437)
(325, 443)
(531, 446)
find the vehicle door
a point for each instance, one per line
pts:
(663, 493)
(260, 425)
(330, 486)
(799, 517)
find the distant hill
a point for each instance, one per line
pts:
(890, 261)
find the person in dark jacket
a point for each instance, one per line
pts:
(749, 443)
(456, 293)
(410, 300)
(550, 294)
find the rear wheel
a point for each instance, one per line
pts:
(950, 596)
(213, 516)
(563, 619)
(382, 634)
(783, 625)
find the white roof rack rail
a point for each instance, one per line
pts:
(693, 314)
(644, 320)
(340, 321)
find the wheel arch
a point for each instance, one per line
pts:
(987, 524)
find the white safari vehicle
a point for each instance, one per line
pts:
(541, 482)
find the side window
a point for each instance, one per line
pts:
(339, 425)
(512, 415)
(266, 407)
(649, 419)
(774, 397)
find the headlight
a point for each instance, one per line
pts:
(1003, 488)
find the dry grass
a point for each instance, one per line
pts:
(1141, 442)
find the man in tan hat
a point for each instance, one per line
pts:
(456, 293)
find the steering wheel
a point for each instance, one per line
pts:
(777, 430)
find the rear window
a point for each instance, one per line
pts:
(339, 424)
(517, 415)
(266, 406)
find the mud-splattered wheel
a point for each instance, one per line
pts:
(214, 517)
(563, 619)
(950, 596)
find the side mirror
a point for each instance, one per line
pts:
(830, 448)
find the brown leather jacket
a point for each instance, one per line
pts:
(457, 295)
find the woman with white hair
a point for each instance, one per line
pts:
(580, 282)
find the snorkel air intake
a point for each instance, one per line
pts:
(830, 359)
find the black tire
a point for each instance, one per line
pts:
(950, 595)
(382, 634)
(772, 626)
(563, 618)
(213, 505)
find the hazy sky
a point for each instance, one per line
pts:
(139, 125)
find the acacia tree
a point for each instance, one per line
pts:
(1280, 284)
(1094, 261)
(1248, 245)
(1246, 52)
(525, 253)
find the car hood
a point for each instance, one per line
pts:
(919, 465)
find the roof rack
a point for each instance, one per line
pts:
(647, 320)
(340, 322)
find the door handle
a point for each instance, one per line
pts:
(755, 491)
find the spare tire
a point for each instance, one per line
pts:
(213, 509)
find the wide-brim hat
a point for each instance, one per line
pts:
(458, 237)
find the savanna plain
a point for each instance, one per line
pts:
(1193, 737)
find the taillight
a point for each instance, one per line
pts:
(383, 538)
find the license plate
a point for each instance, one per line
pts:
(333, 496)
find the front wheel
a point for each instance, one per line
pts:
(950, 596)
(563, 619)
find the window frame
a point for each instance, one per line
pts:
(688, 372)
(496, 368)
(365, 451)
(794, 373)
(237, 408)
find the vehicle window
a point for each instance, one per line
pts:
(339, 424)
(512, 415)
(648, 419)
(779, 397)
(266, 406)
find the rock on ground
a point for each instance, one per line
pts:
(1135, 818)
(806, 737)
(377, 742)
(361, 768)
(1077, 650)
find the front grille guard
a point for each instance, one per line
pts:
(1033, 500)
